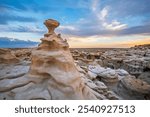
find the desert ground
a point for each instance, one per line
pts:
(110, 73)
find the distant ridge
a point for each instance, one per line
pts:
(144, 45)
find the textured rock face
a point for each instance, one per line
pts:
(105, 74)
(52, 62)
(52, 74)
(23, 54)
(7, 57)
(145, 76)
(131, 88)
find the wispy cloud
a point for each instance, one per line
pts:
(8, 14)
(113, 25)
(67, 27)
(29, 29)
(5, 18)
(94, 5)
(6, 42)
(143, 29)
(22, 29)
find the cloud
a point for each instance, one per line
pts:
(123, 8)
(110, 30)
(6, 42)
(94, 5)
(143, 29)
(100, 22)
(44, 6)
(112, 25)
(98, 25)
(22, 29)
(11, 11)
(19, 5)
(5, 18)
(67, 28)
(29, 29)
(103, 13)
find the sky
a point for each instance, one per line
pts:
(84, 23)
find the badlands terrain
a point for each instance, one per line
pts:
(53, 71)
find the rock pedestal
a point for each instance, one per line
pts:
(53, 64)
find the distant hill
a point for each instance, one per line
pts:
(6, 42)
(141, 46)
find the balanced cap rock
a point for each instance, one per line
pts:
(51, 25)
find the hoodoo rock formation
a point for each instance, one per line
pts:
(53, 64)
(52, 74)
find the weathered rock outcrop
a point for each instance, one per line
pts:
(145, 76)
(23, 54)
(7, 57)
(105, 74)
(131, 88)
(52, 74)
(52, 62)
